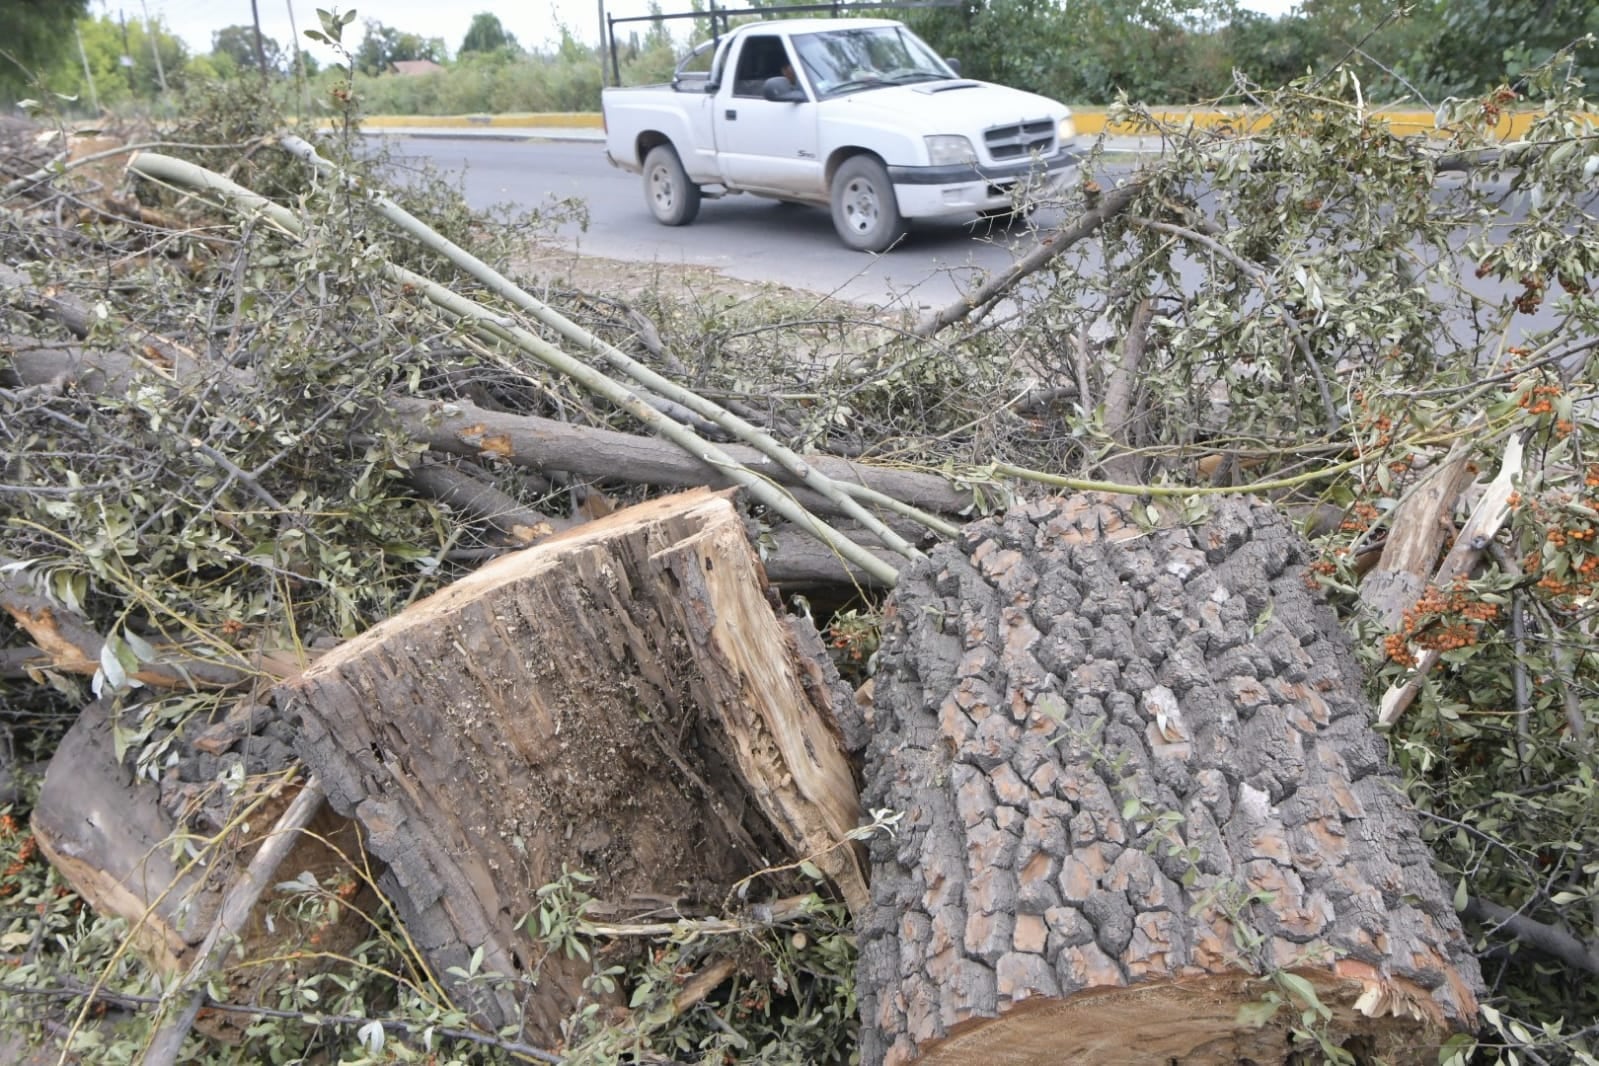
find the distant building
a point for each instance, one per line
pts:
(414, 68)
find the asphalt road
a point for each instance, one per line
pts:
(745, 237)
(759, 240)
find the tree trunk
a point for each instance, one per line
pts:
(609, 701)
(1141, 793)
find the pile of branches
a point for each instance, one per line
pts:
(254, 403)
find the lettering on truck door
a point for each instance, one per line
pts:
(765, 144)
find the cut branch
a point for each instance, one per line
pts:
(1474, 538)
(1548, 939)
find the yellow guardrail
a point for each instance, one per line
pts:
(1090, 121)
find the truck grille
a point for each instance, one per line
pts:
(1020, 140)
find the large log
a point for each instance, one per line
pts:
(112, 834)
(1141, 791)
(610, 700)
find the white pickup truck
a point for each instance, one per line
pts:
(859, 115)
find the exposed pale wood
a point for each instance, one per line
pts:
(611, 699)
(1192, 1021)
(1492, 509)
(188, 994)
(1417, 531)
(66, 642)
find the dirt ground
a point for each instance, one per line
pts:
(560, 267)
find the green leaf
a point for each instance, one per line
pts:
(111, 666)
(1301, 990)
(1456, 1050)
(1255, 1015)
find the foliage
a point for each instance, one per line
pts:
(382, 46)
(106, 41)
(1303, 306)
(35, 35)
(487, 35)
(237, 44)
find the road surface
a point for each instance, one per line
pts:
(744, 237)
(761, 241)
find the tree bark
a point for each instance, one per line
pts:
(461, 428)
(109, 832)
(610, 701)
(1140, 791)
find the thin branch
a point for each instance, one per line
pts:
(168, 1039)
(1051, 245)
(343, 1021)
(1263, 280)
(1548, 939)
(487, 323)
(641, 374)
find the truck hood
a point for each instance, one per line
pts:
(963, 106)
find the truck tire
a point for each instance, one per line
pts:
(672, 198)
(865, 212)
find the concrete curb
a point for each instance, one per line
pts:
(1090, 122)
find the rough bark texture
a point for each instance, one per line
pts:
(1137, 773)
(610, 700)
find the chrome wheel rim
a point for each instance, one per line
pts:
(663, 194)
(861, 208)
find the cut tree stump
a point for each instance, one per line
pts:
(609, 701)
(1141, 792)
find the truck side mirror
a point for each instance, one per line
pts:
(953, 64)
(780, 90)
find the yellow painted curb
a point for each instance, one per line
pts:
(531, 120)
(1090, 121)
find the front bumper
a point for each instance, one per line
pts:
(966, 188)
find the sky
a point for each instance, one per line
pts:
(534, 22)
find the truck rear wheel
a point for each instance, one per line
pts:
(672, 198)
(865, 212)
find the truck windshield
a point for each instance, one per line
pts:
(846, 61)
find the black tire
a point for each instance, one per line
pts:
(865, 212)
(670, 196)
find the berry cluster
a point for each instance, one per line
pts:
(1441, 620)
(27, 851)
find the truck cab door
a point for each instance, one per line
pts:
(765, 145)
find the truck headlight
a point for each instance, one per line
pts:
(947, 149)
(1068, 129)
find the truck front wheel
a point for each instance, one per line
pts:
(673, 199)
(865, 212)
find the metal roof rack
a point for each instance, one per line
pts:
(719, 16)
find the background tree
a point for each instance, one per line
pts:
(106, 40)
(1480, 42)
(486, 35)
(34, 35)
(237, 44)
(382, 46)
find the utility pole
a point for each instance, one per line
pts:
(601, 4)
(127, 51)
(155, 49)
(94, 98)
(303, 101)
(260, 49)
